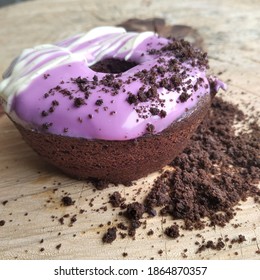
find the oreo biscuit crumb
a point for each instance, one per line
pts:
(44, 113)
(110, 235)
(78, 102)
(116, 199)
(99, 184)
(135, 211)
(122, 226)
(154, 111)
(5, 202)
(99, 102)
(58, 246)
(150, 128)
(131, 99)
(211, 245)
(47, 125)
(46, 76)
(240, 239)
(184, 97)
(67, 201)
(160, 252)
(172, 231)
(162, 114)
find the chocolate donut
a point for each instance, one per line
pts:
(109, 104)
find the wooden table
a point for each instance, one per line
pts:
(33, 189)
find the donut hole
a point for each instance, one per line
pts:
(112, 65)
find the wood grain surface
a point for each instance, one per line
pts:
(31, 190)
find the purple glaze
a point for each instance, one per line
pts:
(115, 119)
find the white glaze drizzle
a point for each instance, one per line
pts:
(88, 48)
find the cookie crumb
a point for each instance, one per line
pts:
(110, 235)
(67, 201)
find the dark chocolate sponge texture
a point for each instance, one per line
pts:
(117, 161)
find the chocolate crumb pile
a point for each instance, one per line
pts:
(217, 170)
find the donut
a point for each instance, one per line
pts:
(109, 104)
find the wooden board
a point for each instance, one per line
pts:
(33, 189)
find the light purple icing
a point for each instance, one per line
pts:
(40, 79)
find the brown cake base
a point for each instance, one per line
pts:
(116, 161)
